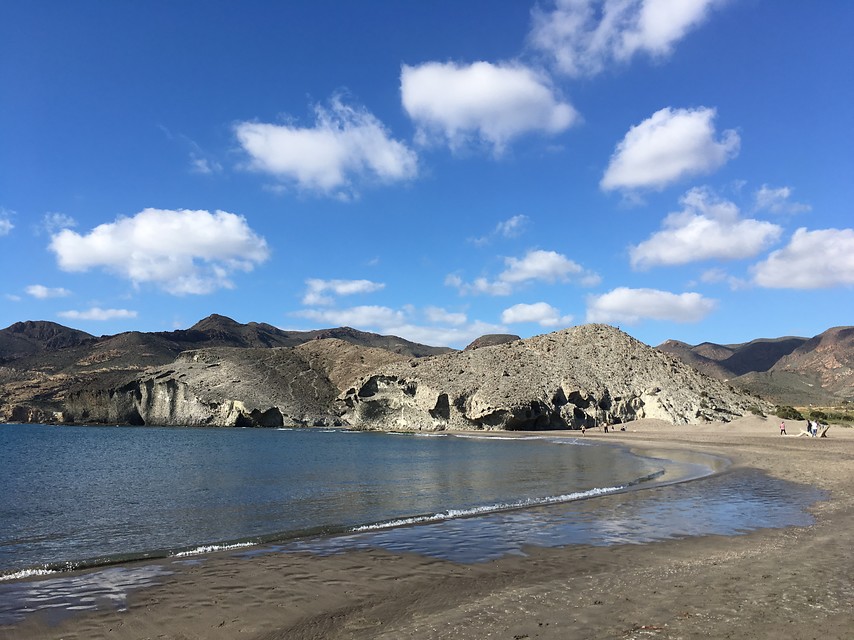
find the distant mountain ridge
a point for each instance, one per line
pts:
(792, 370)
(223, 372)
(41, 361)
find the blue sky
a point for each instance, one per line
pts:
(679, 168)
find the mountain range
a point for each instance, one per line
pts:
(219, 371)
(789, 370)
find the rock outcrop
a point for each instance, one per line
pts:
(587, 375)
(491, 340)
(251, 387)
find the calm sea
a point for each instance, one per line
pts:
(74, 497)
(86, 496)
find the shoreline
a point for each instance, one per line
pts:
(667, 469)
(789, 582)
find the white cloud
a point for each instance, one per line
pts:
(11, 297)
(669, 145)
(582, 37)
(540, 312)
(549, 266)
(717, 276)
(706, 228)
(53, 222)
(489, 103)
(456, 336)
(202, 165)
(438, 315)
(345, 144)
(6, 225)
(96, 313)
(361, 316)
(537, 265)
(812, 260)
(777, 200)
(317, 288)
(630, 306)
(510, 228)
(182, 252)
(42, 292)
(446, 329)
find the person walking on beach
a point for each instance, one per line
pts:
(782, 428)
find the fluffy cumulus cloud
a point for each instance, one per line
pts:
(182, 252)
(536, 265)
(707, 228)
(778, 200)
(668, 146)
(542, 313)
(812, 260)
(583, 37)
(630, 306)
(42, 292)
(97, 314)
(484, 102)
(320, 292)
(344, 145)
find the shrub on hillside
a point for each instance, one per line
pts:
(788, 413)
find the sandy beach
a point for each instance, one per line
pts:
(778, 583)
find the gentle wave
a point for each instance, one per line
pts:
(507, 506)
(27, 573)
(485, 509)
(213, 548)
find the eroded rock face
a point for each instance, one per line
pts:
(241, 387)
(217, 387)
(588, 375)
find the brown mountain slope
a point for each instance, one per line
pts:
(828, 358)
(43, 360)
(31, 337)
(788, 370)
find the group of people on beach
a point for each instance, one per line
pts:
(812, 428)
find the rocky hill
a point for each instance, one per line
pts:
(32, 337)
(587, 375)
(788, 370)
(229, 386)
(41, 361)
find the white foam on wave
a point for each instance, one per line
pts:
(471, 436)
(212, 548)
(418, 434)
(27, 573)
(450, 514)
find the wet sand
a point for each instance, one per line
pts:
(780, 583)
